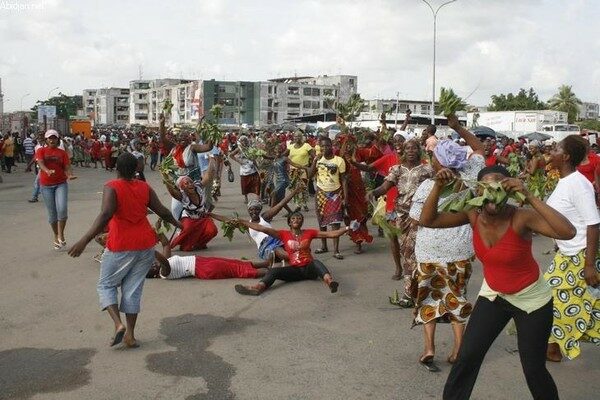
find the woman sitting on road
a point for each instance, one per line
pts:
(513, 285)
(198, 227)
(296, 242)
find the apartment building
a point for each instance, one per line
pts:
(286, 98)
(240, 101)
(147, 99)
(589, 110)
(107, 106)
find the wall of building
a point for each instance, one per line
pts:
(589, 110)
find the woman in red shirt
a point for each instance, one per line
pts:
(55, 170)
(129, 250)
(513, 285)
(296, 243)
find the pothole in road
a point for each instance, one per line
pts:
(27, 371)
(192, 334)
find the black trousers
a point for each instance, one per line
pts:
(293, 274)
(486, 322)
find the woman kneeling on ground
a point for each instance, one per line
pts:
(296, 243)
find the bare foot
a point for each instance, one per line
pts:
(553, 353)
(130, 343)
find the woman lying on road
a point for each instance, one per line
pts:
(513, 286)
(167, 266)
(296, 242)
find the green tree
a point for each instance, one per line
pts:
(590, 124)
(566, 101)
(66, 106)
(524, 100)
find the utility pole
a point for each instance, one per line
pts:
(434, 12)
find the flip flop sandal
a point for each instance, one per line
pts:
(405, 303)
(333, 286)
(321, 251)
(118, 338)
(428, 364)
(339, 256)
(57, 246)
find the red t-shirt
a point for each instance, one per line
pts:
(383, 166)
(368, 154)
(491, 160)
(129, 229)
(56, 159)
(298, 248)
(589, 170)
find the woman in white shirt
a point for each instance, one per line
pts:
(576, 265)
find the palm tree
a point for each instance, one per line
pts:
(566, 101)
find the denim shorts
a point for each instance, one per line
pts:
(127, 269)
(55, 199)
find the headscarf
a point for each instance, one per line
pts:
(181, 180)
(450, 154)
(255, 203)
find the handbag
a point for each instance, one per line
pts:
(230, 176)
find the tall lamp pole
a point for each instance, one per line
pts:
(434, 12)
(22, 97)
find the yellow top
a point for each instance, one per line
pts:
(9, 147)
(531, 298)
(300, 155)
(328, 173)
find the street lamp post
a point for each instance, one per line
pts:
(52, 90)
(22, 97)
(434, 12)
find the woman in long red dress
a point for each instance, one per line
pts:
(358, 208)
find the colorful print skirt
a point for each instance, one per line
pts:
(441, 292)
(576, 311)
(329, 207)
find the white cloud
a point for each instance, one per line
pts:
(493, 46)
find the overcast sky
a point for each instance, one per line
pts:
(484, 46)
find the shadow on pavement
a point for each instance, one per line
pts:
(27, 371)
(191, 335)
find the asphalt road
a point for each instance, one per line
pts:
(201, 340)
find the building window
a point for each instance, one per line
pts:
(316, 91)
(351, 81)
(293, 105)
(306, 92)
(293, 90)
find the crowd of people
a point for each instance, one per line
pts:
(346, 174)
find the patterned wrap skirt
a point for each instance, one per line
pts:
(329, 207)
(441, 292)
(576, 311)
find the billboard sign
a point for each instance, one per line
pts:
(48, 111)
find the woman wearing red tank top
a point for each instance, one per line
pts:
(513, 286)
(129, 250)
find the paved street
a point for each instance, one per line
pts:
(201, 340)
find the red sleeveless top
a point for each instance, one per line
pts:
(129, 229)
(508, 266)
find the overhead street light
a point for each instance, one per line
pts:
(22, 97)
(52, 90)
(434, 12)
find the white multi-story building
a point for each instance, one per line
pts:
(589, 111)
(107, 106)
(147, 99)
(286, 98)
(398, 105)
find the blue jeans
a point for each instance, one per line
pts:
(55, 199)
(36, 187)
(127, 269)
